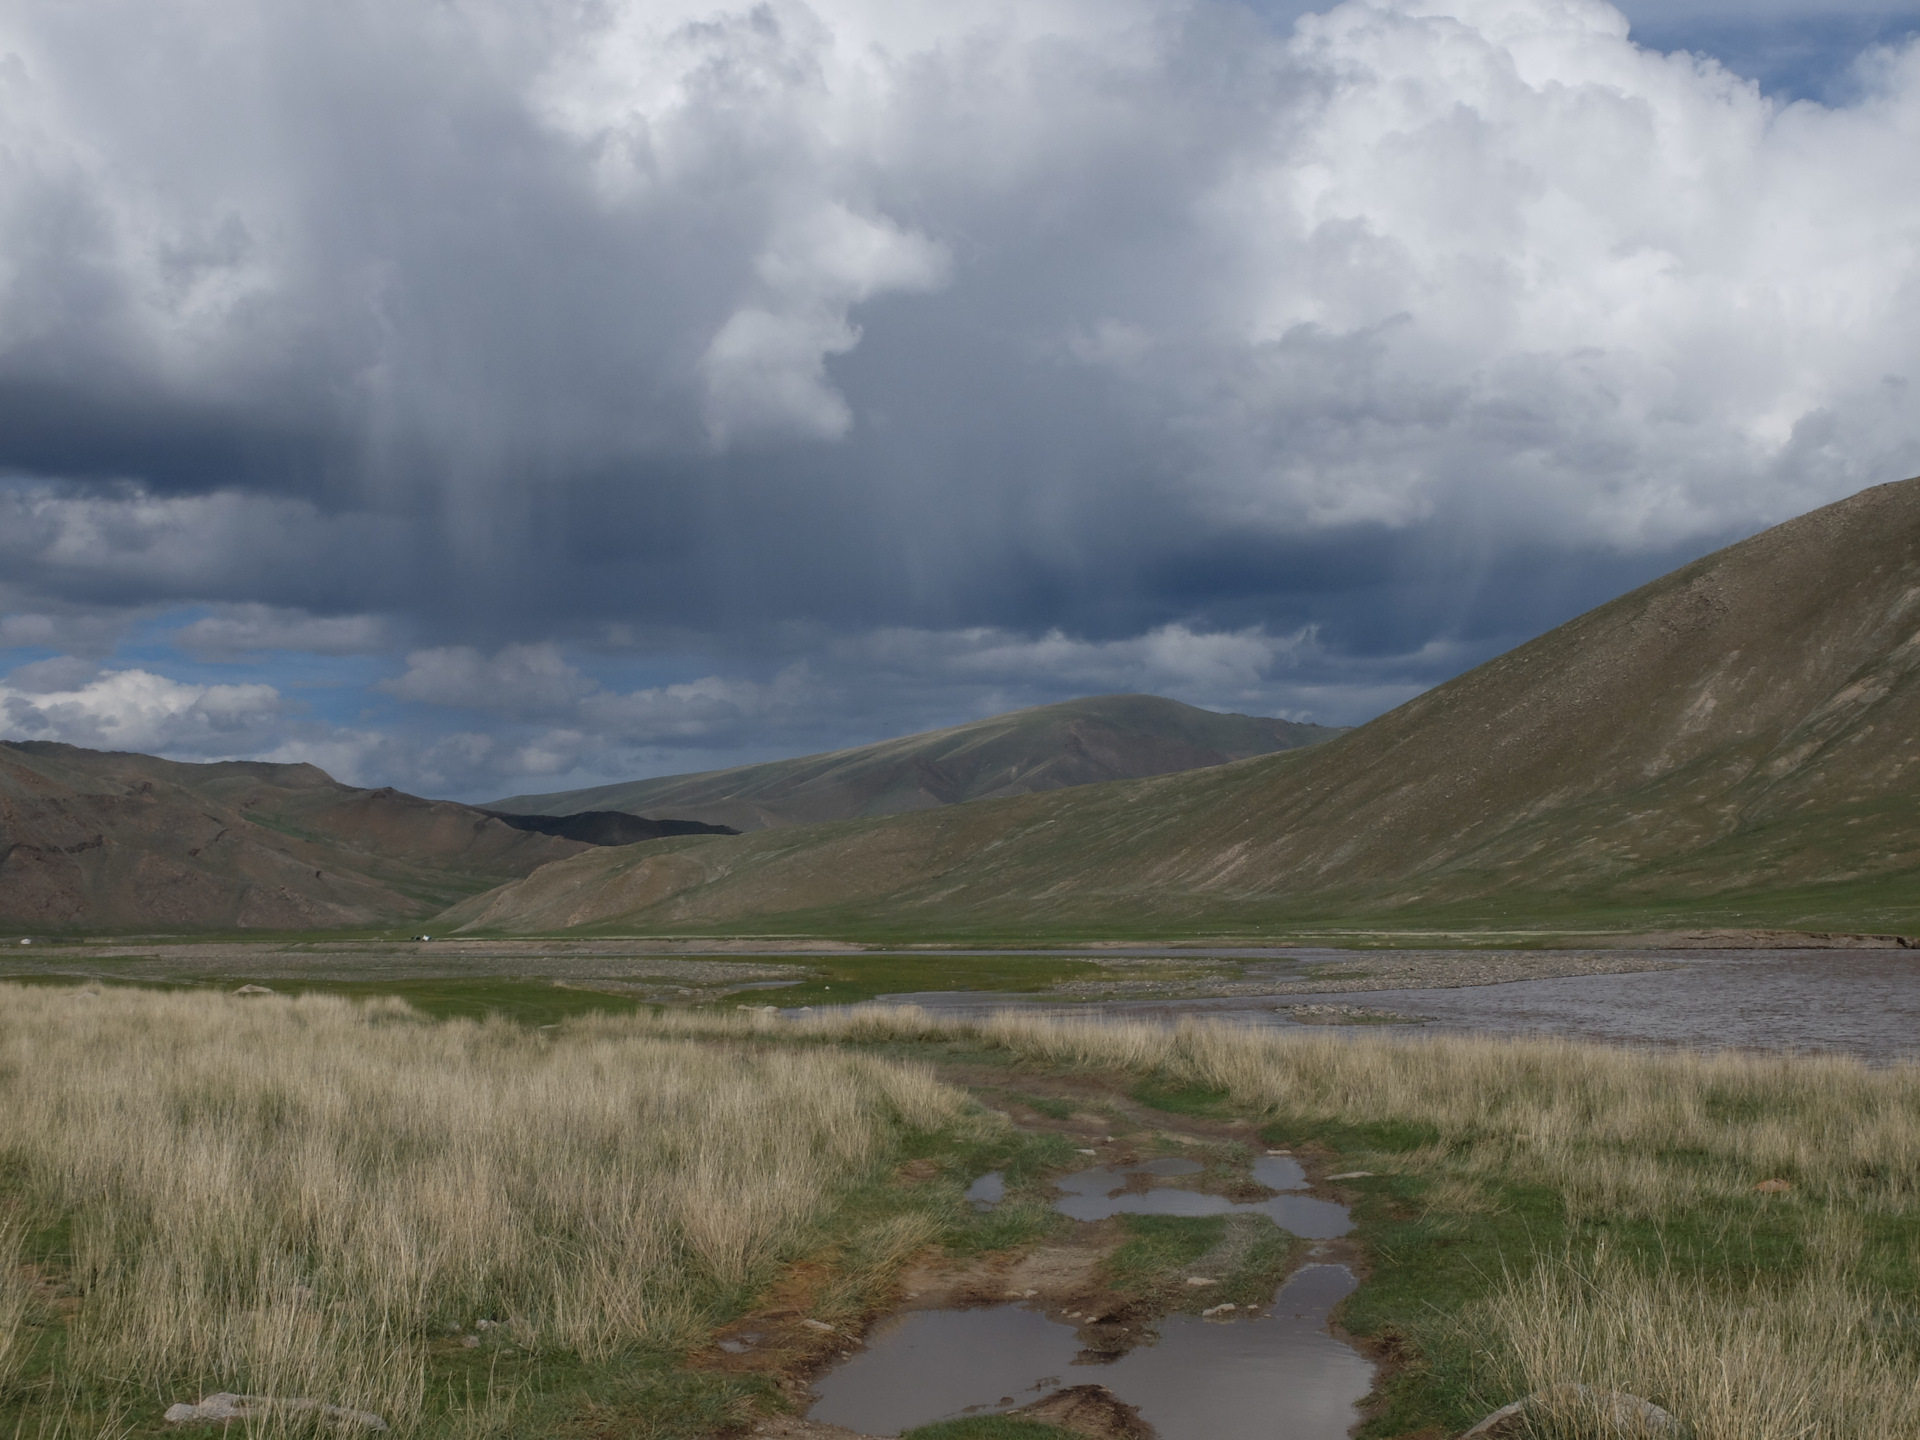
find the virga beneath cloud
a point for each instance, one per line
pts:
(714, 352)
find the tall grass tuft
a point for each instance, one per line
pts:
(16, 1299)
(290, 1197)
(1819, 1358)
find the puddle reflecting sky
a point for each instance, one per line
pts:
(1278, 1377)
(988, 1191)
(1096, 1194)
(934, 1364)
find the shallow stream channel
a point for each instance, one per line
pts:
(1271, 1371)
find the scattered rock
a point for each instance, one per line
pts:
(1090, 1410)
(1218, 1309)
(1200, 1280)
(470, 1342)
(1626, 1416)
(1279, 1152)
(818, 1325)
(253, 990)
(1351, 1175)
(228, 1406)
(1774, 1187)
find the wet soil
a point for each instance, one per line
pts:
(1015, 1330)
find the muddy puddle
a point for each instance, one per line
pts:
(1275, 1373)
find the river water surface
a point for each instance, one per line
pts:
(1856, 1002)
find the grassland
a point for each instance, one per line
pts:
(493, 1230)
(309, 1197)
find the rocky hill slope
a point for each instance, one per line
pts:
(112, 841)
(1049, 747)
(1747, 725)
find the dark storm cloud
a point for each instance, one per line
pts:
(887, 363)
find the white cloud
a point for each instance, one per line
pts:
(537, 683)
(242, 631)
(1482, 262)
(765, 370)
(1169, 659)
(90, 631)
(136, 710)
(1249, 670)
(1504, 264)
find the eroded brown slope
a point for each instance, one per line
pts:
(1048, 747)
(90, 838)
(1750, 720)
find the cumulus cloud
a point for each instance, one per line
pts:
(80, 704)
(1129, 337)
(765, 369)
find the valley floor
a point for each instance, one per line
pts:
(497, 1229)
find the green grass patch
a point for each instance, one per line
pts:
(1246, 1256)
(1159, 1245)
(1044, 1105)
(989, 1427)
(1176, 1098)
(531, 1002)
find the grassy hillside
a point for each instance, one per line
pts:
(111, 840)
(1738, 741)
(1050, 747)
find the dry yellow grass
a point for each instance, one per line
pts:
(1592, 1121)
(1652, 1136)
(288, 1197)
(16, 1296)
(1818, 1359)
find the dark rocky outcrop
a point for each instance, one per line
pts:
(607, 827)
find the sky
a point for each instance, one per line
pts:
(491, 396)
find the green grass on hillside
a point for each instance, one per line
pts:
(1886, 904)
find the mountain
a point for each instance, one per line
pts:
(1743, 732)
(110, 840)
(1050, 747)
